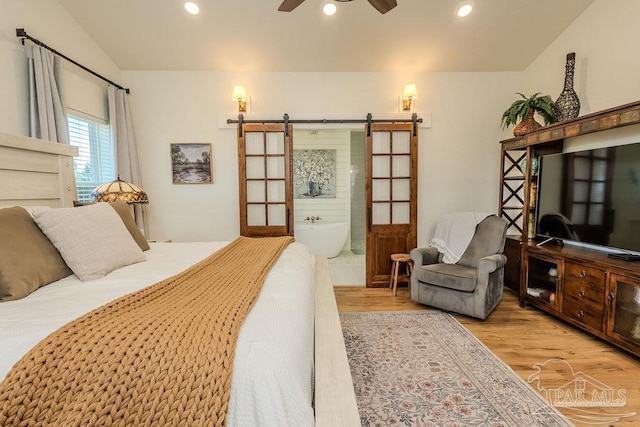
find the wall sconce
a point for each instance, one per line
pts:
(240, 95)
(410, 93)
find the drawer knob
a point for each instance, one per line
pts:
(581, 294)
(581, 314)
(583, 274)
(611, 296)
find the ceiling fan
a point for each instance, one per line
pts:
(382, 6)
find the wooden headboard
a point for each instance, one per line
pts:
(36, 172)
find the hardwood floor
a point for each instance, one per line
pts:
(524, 337)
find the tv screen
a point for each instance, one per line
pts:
(591, 196)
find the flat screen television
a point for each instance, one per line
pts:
(591, 198)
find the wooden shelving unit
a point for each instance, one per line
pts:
(590, 290)
(515, 180)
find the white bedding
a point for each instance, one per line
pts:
(271, 384)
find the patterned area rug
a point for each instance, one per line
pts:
(425, 369)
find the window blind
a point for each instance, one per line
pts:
(95, 163)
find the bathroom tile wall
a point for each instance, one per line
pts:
(357, 191)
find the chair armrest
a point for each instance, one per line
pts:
(491, 263)
(423, 256)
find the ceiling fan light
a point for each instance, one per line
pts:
(464, 10)
(192, 8)
(329, 8)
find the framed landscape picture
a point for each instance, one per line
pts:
(192, 163)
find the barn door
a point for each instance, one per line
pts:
(391, 196)
(265, 180)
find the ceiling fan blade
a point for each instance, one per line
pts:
(289, 5)
(383, 6)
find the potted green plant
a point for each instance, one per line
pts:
(521, 112)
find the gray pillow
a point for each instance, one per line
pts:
(93, 240)
(125, 214)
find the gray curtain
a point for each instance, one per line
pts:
(47, 112)
(126, 151)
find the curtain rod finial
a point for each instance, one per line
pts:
(20, 32)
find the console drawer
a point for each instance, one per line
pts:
(579, 293)
(583, 314)
(578, 273)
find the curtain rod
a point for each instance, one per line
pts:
(20, 32)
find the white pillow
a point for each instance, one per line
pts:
(92, 240)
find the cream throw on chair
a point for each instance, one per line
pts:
(453, 234)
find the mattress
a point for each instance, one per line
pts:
(271, 381)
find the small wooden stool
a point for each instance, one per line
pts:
(393, 279)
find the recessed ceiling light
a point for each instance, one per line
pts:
(192, 8)
(464, 10)
(329, 9)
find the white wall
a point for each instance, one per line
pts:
(607, 72)
(458, 155)
(605, 41)
(50, 23)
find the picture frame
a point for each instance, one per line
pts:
(192, 163)
(314, 173)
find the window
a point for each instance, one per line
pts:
(95, 163)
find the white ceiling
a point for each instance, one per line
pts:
(252, 36)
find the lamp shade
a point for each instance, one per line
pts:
(120, 190)
(410, 92)
(239, 93)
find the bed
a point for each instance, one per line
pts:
(290, 337)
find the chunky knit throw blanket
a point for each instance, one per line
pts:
(157, 357)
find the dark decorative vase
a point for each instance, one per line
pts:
(314, 190)
(528, 124)
(567, 105)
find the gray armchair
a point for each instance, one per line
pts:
(472, 286)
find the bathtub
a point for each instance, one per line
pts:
(323, 238)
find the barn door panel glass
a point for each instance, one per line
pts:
(256, 215)
(276, 192)
(391, 177)
(265, 180)
(391, 187)
(255, 168)
(277, 214)
(275, 168)
(254, 143)
(255, 192)
(381, 213)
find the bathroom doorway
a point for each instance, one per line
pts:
(330, 213)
